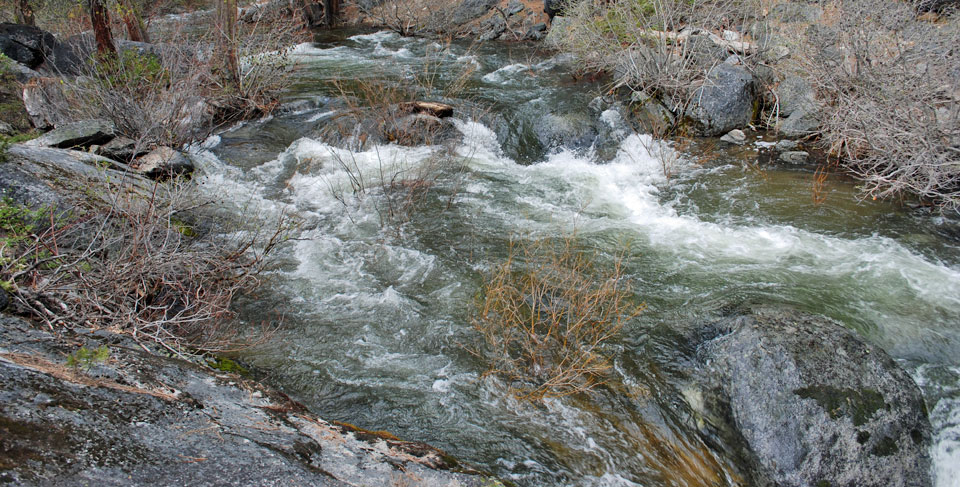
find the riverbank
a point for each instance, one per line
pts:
(95, 406)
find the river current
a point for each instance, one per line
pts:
(374, 304)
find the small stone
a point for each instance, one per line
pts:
(794, 157)
(731, 36)
(786, 145)
(6, 129)
(775, 53)
(536, 32)
(514, 7)
(735, 136)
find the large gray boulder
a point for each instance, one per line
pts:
(26, 44)
(724, 102)
(812, 403)
(83, 133)
(573, 130)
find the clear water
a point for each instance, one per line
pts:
(376, 309)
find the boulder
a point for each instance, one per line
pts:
(46, 176)
(570, 130)
(492, 28)
(120, 149)
(77, 134)
(69, 57)
(735, 136)
(472, 9)
(725, 101)
(536, 32)
(794, 157)
(41, 98)
(786, 145)
(26, 44)
(22, 73)
(553, 8)
(811, 403)
(800, 123)
(795, 94)
(164, 163)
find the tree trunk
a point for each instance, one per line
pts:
(133, 19)
(227, 24)
(100, 19)
(331, 8)
(25, 13)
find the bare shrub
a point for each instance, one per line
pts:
(383, 108)
(409, 17)
(663, 48)
(546, 315)
(178, 91)
(128, 259)
(890, 87)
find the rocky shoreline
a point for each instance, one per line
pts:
(127, 415)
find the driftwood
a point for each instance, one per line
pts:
(439, 110)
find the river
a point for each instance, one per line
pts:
(375, 297)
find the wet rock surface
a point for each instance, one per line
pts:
(724, 102)
(811, 403)
(132, 417)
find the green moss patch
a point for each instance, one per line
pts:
(859, 405)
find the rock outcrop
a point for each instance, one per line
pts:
(811, 403)
(124, 416)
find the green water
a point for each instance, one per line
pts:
(376, 307)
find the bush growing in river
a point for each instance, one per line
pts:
(546, 316)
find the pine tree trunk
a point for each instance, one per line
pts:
(25, 13)
(132, 18)
(227, 23)
(100, 19)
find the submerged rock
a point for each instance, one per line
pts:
(724, 102)
(794, 157)
(571, 130)
(812, 403)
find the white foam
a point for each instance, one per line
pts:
(505, 74)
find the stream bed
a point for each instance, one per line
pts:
(375, 297)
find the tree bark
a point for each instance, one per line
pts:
(100, 19)
(133, 19)
(227, 24)
(25, 13)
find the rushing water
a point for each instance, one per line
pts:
(376, 303)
